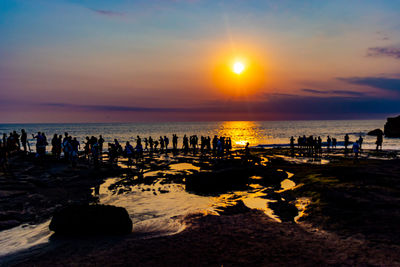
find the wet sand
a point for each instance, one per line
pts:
(352, 219)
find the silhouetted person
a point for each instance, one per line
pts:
(328, 143)
(214, 144)
(161, 144)
(379, 141)
(175, 142)
(54, 145)
(74, 151)
(292, 146)
(185, 144)
(101, 143)
(166, 142)
(360, 142)
(334, 142)
(155, 145)
(151, 143)
(356, 149)
(16, 140)
(129, 153)
(24, 139)
(247, 149)
(346, 142)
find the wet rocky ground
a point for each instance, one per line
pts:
(30, 191)
(351, 216)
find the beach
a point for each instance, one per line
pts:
(346, 211)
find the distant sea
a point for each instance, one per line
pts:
(255, 132)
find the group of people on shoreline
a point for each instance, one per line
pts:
(312, 146)
(70, 147)
(93, 146)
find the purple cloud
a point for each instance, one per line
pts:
(336, 92)
(384, 52)
(291, 105)
(390, 84)
(107, 12)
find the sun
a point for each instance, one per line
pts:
(238, 67)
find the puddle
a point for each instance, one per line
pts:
(301, 205)
(287, 184)
(183, 167)
(317, 161)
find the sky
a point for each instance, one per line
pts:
(171, 60)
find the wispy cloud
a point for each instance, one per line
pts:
(334, 92)
(291, 105)
(391, 84)
(107, 12)
(393, 52)
(112, 108)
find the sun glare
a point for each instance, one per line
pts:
(238, 75)
(238, 67)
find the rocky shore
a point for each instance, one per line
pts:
(31, 191)
(352, 218)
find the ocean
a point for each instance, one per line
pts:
(269, 133)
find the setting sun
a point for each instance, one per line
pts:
(238, 67)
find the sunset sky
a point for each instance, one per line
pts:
(103, 61)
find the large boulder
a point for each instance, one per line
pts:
(392, 127)
(375, 132)
(91, 219)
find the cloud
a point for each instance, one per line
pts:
(111, 108)
(107, 12)
(287, 105)
(391, 84)
(384, 52)
(335, 92)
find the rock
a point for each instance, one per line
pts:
(237, 208)
(392, 127)
(286, 211)
(375, 132)
(8, 224)
(91, 219)
(218, 181)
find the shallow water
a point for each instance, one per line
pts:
(23, 237)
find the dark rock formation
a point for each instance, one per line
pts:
(392, 127)
(91, 219)
(375, 132)
(218, 181)
(237, 208)
(285, 210)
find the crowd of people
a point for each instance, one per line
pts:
(312, 146)
(68, 148)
